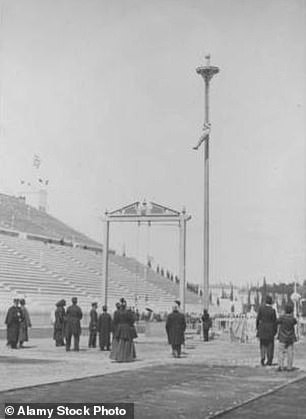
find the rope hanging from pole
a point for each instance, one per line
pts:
(148, 260)
(137, 262)
(148, 244)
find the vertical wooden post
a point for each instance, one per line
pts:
(105, 261)
(182, 257)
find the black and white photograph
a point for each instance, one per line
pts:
(152, 209)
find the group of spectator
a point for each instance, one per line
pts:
(121, 326)
(268, 326)
(67, 324)
(17, 323)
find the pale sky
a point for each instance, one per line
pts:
(106, 93)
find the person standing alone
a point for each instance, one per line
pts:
(104, 328)
(93, 325)
(206, 324)
(59, 323)
(24, 324)
(175, 328)
(73, 324)
(266, 326)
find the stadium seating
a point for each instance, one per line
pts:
(44, 260)
(15, 214)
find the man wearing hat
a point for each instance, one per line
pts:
(266, 325)
(93, 323)
(175, 328)
(206, 324)
(104, 328)
(178, 304)
(73, 324)
(12, 321)
(24, 324)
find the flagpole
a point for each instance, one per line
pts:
(207, 72)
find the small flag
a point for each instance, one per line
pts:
(204, 136)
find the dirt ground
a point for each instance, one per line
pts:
(210, 379)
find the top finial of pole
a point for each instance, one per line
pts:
(207, 71)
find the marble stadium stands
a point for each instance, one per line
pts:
(44, 260)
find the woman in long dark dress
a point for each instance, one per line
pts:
(59, 323)
(124, 334)
(12, 321)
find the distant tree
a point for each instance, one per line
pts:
(264, 291)
(218, 301)
(274, 295)
(284, 302)
(256, 300)
(290, 290)
(249, 299)
(232, 293)
(282, 288)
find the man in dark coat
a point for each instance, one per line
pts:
(175, 328)
(206, 323)
(24, 324)
(12, 321)
(104, 328)
(73, 324)
(266, 325)
(93, 325)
